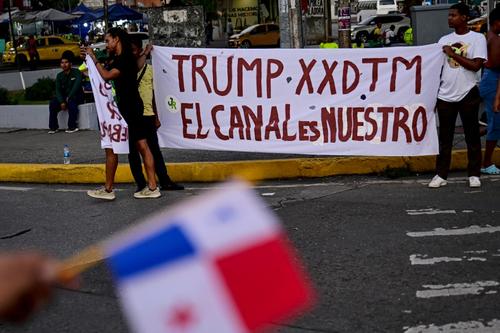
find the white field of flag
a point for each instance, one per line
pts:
(217, 263)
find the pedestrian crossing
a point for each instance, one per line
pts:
(472, 285)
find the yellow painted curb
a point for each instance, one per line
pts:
(218, 171)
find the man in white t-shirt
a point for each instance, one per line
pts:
(458, 94)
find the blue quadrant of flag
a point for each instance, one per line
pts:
(150, 252)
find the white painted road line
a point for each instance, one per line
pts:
(473, 229)
(477, 255)
(419, 259)
(12, 188)
(81, 190)
(455, 289)
(493, 326)
(429, 211)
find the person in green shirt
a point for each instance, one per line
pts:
(69, 95)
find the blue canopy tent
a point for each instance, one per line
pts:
(80, 9)
(115, 12)
(119, 12)
(80, 25)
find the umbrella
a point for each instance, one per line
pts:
(54, 15)
(4, 18)
(23, 17)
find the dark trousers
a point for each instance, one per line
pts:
(34, 59)
(72, 107)
(134, 158)
(468, 109)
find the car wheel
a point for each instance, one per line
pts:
(362, 36)
(21, 59)
(246, 44)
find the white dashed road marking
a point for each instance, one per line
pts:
(15, 188)
(493, 326)
(429, 211)
(473, 229)
(455, 289)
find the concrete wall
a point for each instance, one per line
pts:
(180, 27)
(314, 30)
(37, 117)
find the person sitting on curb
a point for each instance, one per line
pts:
(150, 122)
(458, 93)
(488, 89)
(69, 95)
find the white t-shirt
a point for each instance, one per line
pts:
(457, 81)
(389, 36)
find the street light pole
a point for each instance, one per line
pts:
(105, 8)
(11, 25)
(344, 23)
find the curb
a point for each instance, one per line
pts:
(219, 171)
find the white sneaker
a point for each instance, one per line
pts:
(101, 193)
(474, 181)
(146, 193)
(437, 182)
(53, 131)
(72, 130)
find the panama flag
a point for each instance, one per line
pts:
(219, 263)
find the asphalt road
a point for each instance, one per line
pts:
(384, 255)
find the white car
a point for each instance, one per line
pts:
(364, 29)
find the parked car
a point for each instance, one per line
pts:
(267, 34)
(479, 24)
(363, 31)
(48, 47)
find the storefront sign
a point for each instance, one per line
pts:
(316, 8)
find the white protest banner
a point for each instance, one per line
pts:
(305, 101)
(113, 128)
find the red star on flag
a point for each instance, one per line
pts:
(181, 318)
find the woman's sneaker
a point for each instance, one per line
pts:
(146, 193)
(491, 170)
(101, 193)
(474, 181)
(437, 182)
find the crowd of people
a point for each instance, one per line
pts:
(467, 54)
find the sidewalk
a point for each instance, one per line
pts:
(35, 156)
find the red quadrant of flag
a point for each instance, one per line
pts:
(266, 283)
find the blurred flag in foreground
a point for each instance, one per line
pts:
(217, 263)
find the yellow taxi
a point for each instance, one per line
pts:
(267, 34)
(48, 47)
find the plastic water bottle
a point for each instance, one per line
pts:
(67, 155)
